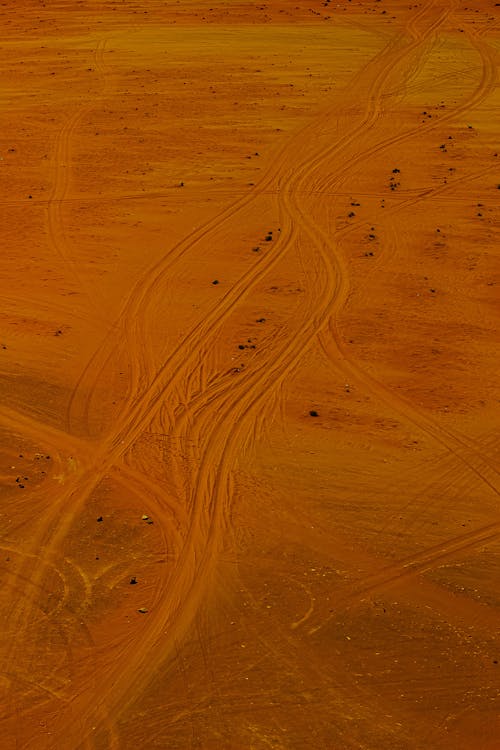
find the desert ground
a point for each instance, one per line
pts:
(249, 375)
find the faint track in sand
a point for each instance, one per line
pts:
(468, 452)
(221, 450)
(415, 565)
(221, 433)
(127, 324)
(61, 173)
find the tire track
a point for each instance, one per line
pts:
(210, 492)
(337, 352)
(244, 407)
(154, 277)
(415, 565)
(61, 171)
(486, 87)
(238, 410)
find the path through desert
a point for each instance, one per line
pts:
(249, 397)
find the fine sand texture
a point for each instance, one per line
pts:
(249, 397)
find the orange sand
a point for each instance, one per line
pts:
(311, 582)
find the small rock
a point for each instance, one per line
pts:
(99, 520)
(142, 610)
(313, 413)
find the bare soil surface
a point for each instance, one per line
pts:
(249, 375)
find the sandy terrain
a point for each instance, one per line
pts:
(249, 375)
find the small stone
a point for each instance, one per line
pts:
(133, 581)
(313, 413)
(99, 520)
(142, 610)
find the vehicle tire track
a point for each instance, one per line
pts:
(154, 277)
(210, 489)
